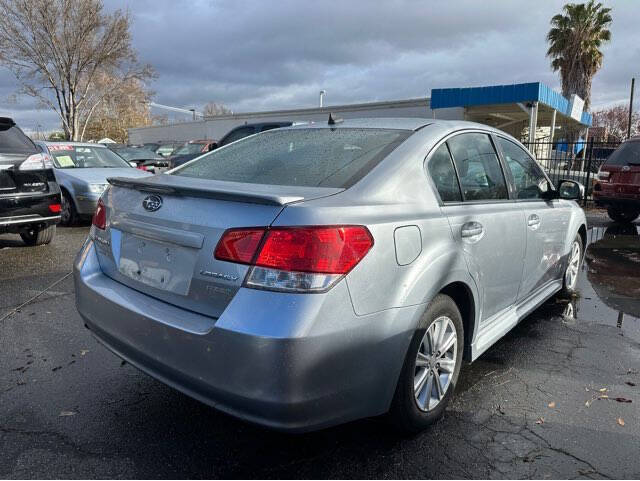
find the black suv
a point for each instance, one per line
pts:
(29, 195)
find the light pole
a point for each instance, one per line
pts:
(633, 83)
(322, 93)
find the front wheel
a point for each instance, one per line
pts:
(38, 236)
(572, 270)
(622, 215)
(431, 367)
(68, 216)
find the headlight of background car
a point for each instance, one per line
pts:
(97, 188)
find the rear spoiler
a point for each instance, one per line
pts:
(235, 192)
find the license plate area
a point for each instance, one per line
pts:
(161, 265)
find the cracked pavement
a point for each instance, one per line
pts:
(540, 403)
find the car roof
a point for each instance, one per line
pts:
(402, 123)
(76, 144)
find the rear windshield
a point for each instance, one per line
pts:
(301, 157)
(13, 141)
(628, 153)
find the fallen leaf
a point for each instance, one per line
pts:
(552, 404)
(629, 383)
(588, 403)
(604, 389)
(84, 351)
(621, 421)
(604, 396)
(540, 421)
(67, 413)
(623, 400)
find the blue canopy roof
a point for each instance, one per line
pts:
(503, 94)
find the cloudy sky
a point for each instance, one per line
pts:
(254, 55)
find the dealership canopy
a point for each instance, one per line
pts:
(503, 106)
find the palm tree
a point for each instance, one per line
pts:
(575, 39)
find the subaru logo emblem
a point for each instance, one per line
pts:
(152, 202)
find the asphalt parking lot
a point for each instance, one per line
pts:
(548, 400)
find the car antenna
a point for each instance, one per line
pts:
(334, 120)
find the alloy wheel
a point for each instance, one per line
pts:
(571, 275)
(435, 363)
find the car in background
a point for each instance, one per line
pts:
(81, 170)
(190, 150)
(618, 182)
(140, 157)
(246, 130)
(309, 276)
(166, 149)
(30, 201)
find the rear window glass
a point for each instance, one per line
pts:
(628, 153)
(300, 157)
(13, 141)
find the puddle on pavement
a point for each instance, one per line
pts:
(609, 282)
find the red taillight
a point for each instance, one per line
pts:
(326, 250)
(55, 208)
(239, 245)
(100, 216)
(295, 259)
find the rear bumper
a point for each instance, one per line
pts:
(21, 210)
(628, 201)
(288, 361)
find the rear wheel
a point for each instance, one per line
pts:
(38, 236)
(431, 367)
(622, 215)
(68, 214)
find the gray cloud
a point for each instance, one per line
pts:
(253, 55)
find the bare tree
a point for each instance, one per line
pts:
(120, 109)
(212, 109)
(615, 120)
(58, 48)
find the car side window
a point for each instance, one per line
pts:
(479, 171)
(444, 175)
(526, 173)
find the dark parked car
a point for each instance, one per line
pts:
(250, 129)
(192, 149)
(618, 184)
(139, 157)
(30, 201)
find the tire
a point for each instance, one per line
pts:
(37, 237)
(68, 215)
(622, 215)
(571, 272)
(409, 411)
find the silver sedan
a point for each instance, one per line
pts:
(308, 276)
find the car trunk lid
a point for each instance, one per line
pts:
(162, 231)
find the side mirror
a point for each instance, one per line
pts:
(570, 189)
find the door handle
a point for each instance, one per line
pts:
(472, 229)
(533, 221)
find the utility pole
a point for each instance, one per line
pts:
(633, 82)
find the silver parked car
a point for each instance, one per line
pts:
(309, 276)
(81, 170)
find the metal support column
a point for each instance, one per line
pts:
(553, 127)
(533, 122)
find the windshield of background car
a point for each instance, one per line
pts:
(136, 154)
(187, 149)
(301, 157)
(13, 141)
(627, 154)
(81, 157)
